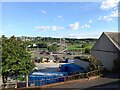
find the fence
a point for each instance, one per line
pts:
(59, 79)
(50, 81)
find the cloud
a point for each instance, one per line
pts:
(54, 28)
(44, 12)
(74, 26)
(95, 34)
(86, 26)
(105, 18)
(110, 17)
(90, 21)
(59, 16)
(73, 35)
(109, 4)
(42, 28)
(114, 14)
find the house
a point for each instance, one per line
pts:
(107, 49)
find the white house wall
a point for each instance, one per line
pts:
(104, 44)
(106, 58)
(105, 51)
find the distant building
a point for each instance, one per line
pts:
(26, 38)
(107, 49)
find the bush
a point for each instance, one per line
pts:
(87, 50)
(83, 58)
(52, 48)
(94, 64)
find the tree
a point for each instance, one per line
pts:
(52, 48)
(87, 50)
(94, 64)
(42, 45)
(15, 59)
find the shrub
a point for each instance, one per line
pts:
(87, 50)
(94, 64)
(83, 58)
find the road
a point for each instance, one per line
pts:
(37, 53)
(111, 81)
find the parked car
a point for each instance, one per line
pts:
(69, 53)
(48, 53)
(41, 53)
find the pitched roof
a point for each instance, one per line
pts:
(114, 38)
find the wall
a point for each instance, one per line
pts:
(81, 63)
(104, 44)
(105, 51)
(105, 57)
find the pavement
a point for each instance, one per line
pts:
(48, 67)
(110, 81)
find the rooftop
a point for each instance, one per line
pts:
(114, 37)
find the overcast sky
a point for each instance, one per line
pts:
(60, 19)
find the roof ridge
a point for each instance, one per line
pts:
(113, 41)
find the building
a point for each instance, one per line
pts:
(82, 63)
(107, 49)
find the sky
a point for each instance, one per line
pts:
(59, 19)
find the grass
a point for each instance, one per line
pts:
(78, 47)
(74, 47)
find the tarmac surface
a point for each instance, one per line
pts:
(110, 81)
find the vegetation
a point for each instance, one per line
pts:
(15, 59)
(87, 50)
(71, 44)
(85, 47)
(94, 64)
(52, 48)
(83, 58)
(74, 47)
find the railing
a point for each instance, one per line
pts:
(9, 85)
(61, 79)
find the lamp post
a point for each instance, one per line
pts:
(27, 80)
(26, 74)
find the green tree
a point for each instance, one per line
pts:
(87, 50)
(52, 48)
(15, 59)
(42, 45)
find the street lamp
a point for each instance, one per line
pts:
(27, 74)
